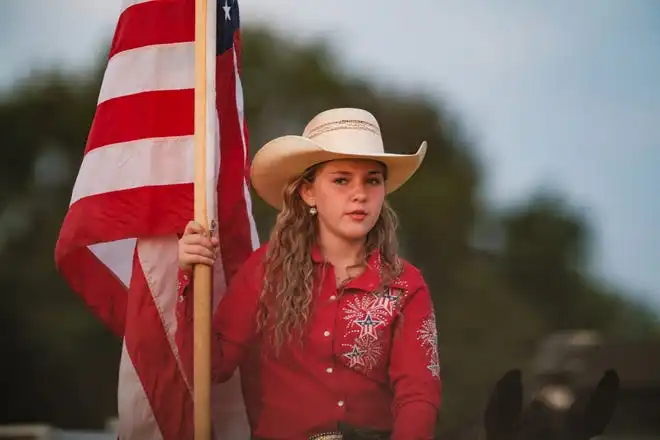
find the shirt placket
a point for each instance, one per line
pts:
(331, 294)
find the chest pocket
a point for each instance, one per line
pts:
(366, 326)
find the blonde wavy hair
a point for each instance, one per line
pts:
(286, 294)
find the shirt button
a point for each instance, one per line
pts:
(326, 333)
(328, 370)
(332, 298)
(340, 403)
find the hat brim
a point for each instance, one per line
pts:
(286, 157)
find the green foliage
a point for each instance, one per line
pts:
(492, 307)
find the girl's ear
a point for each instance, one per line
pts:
(307, 193)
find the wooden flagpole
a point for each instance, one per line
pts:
(202, 273)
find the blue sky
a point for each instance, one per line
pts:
(561, 94)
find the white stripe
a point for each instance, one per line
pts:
(135, 417)
(145, 162)
(149, 68)
(125, 4)
(117, 256)
(159, 262)
(240, 107)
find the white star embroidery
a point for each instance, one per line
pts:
(386, 301)
(428, 336)
(434, 368)
(355, 356)
(368, 326)
(227, 10)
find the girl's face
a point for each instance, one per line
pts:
(348, 196)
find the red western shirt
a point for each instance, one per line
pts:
(367, 359)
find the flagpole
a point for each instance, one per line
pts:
(202, 273)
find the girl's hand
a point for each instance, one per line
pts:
(196, 248)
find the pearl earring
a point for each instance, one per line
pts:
(312, 210)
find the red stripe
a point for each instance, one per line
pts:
(142, 116)
(102, 291)
(139, 212)
(154, 22)
(154, 361)
(233, 221)
(239, 50)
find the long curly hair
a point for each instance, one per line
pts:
(286, 294)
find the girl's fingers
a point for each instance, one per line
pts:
(198, 259)
(196, 247)
(199, 250)
(196, 239)
(193, 228)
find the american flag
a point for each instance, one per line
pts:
(117, 246)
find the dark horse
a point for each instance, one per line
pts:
(506, 419)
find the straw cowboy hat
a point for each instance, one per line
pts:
(341, 133)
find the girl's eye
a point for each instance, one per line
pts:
(375, 181)
(340, 180)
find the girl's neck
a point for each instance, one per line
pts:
(342, 253)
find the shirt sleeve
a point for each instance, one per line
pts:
(415, 371)
(233, 326)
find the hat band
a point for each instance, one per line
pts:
(345, 124)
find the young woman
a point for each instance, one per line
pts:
(333, 332)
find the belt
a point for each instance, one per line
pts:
(327, 436)
(347, 432)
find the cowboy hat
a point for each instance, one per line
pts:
(341, 133)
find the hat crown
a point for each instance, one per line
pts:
(346, 130)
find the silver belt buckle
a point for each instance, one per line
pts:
(327, 436)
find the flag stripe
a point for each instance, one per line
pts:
(141, 118)
(145, 211)
(240, 108)
(232, 222)
(136, 419)
(157, 255)
(118, 256)
(136, 164)
(125, 4)
(104, 293)
(152, 68)
(134, 31)
(154, 361)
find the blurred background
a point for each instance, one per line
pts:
(534, 217)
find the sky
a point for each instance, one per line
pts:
(556, 94)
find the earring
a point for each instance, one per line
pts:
(312, 210)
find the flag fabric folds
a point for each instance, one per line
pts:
(117, 246)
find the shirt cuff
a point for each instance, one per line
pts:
(182, 283)
(415, 421)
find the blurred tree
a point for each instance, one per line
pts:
(545, 251)
(493, 305)
(546, 259)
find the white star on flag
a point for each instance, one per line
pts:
(227, 10)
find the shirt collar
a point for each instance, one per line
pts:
(369, 280)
